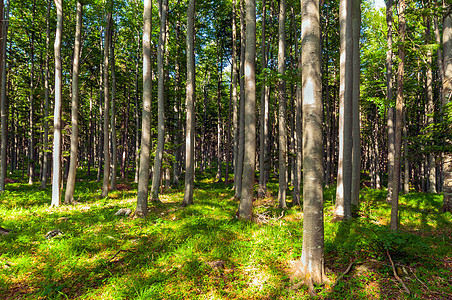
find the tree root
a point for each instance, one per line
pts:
(343, 274)
(395, 274)
(434, 292)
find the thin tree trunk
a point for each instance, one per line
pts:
(246, 198)
(398, 117)
(31, 145)
(70, 186)
(143, 177)
(282, 106)
(106, 177)
(137, 118)
(406, 167)
(161, 111)
(234, 73)
(190, 107)
(311, 264)
(3, 112)
(114, 147)
(389, 83)
(56, 178)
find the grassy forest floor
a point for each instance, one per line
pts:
(203, 252)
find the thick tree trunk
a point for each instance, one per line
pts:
(160, 102)
(70, 186)
(56, 178)
(282, 106)
(246, 198)
(190, 107)
(106, 176)
(3, 112)
(398, 117)
(311, 264)
(143, 177)
(342, 208)
(389, 83)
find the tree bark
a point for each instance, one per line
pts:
(143, 177)
(282, 106)
(56, 177)
(389, 84)
(31, 145)
(114, 147)
(190, 107)
(398, 117)
(70, 186)
(246, 198)
(234, 73)
(3, 112)
(311, 265)
(160, 102)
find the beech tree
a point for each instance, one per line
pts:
(447, 90)
(4, 126)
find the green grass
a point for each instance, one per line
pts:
(167, 254)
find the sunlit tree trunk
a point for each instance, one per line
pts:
(311, 265)
(389, 83)
(137, 121)
(282, 106)
(56, 177)
(234, 73)
(398, 117)
(190, 107)
(114, 147)
(3, 112)
(160, 102)
(70, 186)
(246, 199)
(143, 177)
(31, 145)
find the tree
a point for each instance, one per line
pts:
(160, 102)
(246, 198)
(311, 265)
(398, 117)
(190, 107)
(447, 90)
(143, 177)
(56, 178)
(70, 186)
(4, 119)
(282, 106)
(114, 148)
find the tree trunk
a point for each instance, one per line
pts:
(234, 73)
(447, 90)
(114, 147)
(106, 177)
(246, 198)
(56, 177)
(282, 106)
(137, 118)
(311, 265)
(70, 186)
(389, 83)
(342, 208)
(31, 145)
(190, 107)
(161, 111)
(3, 112)
(398, 117)
(143, 177)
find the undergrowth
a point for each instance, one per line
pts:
(204, 252)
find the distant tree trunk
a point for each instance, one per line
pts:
(246, 199)
(356, 154)
(406, 166)
(311, 265)
(161, 97)
(447, 90)
(114, 147)
(137, 118)
(238, 177)
(70, 186)
(282, 106)
(389, 83)
(263, 130)
(106, 177)
(31, 145)
(45, 161)
(398, 117)
(3, 112)
(234, 73)
(342, 208)
(143, 177)
(190, 107)
(101, 86)
(430, 108)
(56, 178)
(219, 120)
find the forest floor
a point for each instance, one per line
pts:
(203, 252)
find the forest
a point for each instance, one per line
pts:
(226, 149)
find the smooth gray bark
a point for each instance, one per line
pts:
(114, 147)
(143, 177)
(56, 177)
(282, 106)
(190, 107)
(3, 112)
(389, 93)
(234, 73)
(160, 102)
(70, 186)
(311, 265)
(249, 159)
(31, 145)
